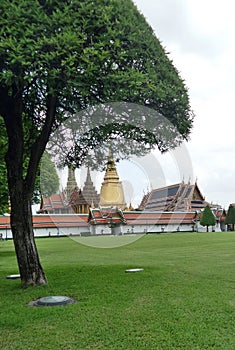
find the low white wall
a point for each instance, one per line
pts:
(157, 228)
(50, 231)
(5, 233)
(61, 231)
(100, 230)
(128, 229)
(106, 230)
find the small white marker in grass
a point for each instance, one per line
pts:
(53, 300)
(134, 270)
(12, 277)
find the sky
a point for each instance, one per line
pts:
(199, 36)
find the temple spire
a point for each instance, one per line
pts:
(111, 171)
(88, 180)
(83, 199)
(89, 192)
(71, 182)
(112, 193)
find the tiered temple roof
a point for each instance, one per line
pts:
(82, 200)
(178, 197)
(59, 203)
(55, 204)
(72, 200)
(106, 215)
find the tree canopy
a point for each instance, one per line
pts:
(230, 217)
(49, 180)
(71, 55)
(84, 55)
(208, 218)
(61, 57)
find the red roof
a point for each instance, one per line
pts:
(98, 216)
(161, 218)
(56, 201)
(106, 215)
(45, 220)
(60, 220)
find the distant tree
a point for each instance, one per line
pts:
(58, 58)
(230, 217)
(208, 218)
(49, 180)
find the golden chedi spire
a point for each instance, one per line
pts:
(111, 193)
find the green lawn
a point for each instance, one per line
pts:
(184, 298)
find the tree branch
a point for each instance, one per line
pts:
(40, 143)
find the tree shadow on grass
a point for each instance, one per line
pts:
(7, 253)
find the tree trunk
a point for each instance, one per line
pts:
(30, 268)
(207, 228)
(20, 192)
(21, 181)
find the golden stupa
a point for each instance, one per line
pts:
(111, 193)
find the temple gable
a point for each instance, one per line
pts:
(178, 197)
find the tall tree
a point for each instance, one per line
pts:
(49, 180)
(230, 217)
(60, 57)
(208, 218)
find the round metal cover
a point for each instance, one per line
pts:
(54, 300)
(12, 277)
(135, 270)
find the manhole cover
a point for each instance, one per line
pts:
(135, 270)
(54, 300)
(12, 277)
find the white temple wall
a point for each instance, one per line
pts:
(127, 229)
(5, 232)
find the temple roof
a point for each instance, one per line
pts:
(180, 197)
(88, 195)
(65, 201)
(160, 218)
(55, 201)
(103, 216)
(106, 215)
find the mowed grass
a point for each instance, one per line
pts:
(184, 298)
